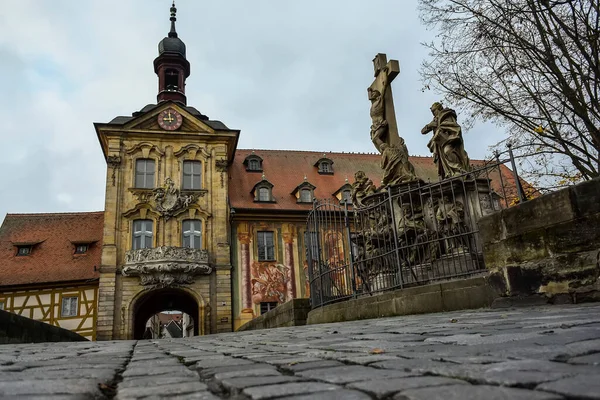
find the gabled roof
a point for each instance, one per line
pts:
(286, 168)
(52, 258)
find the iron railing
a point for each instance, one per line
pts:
(406, 235)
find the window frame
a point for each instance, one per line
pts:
(263, 190)
(27, 247)
(249, 163)
(144, 174)
(77, 248)
(263, 236)
(310, 195)
(62, 306)
(190, 234)
(269, 306)
(192, 163)
(143, 234)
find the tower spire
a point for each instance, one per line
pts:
(171, 65)
(173, 32)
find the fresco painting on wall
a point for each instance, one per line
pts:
(268, 282)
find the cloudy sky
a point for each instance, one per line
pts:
(289, 74)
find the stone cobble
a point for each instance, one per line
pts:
(540, 353)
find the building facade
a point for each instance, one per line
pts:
(190, 223)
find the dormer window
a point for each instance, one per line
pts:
(304, 192)
(253, 163)
(24, 250)
(263, 191)
(344, 194)
(325, 166)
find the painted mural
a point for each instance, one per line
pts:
(268, 282)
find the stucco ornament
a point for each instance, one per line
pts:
(169, 200)
(166, 266)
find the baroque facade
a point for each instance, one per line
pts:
(190, 223)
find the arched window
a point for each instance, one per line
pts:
(254, 165)
(192, 233)
(264, 194)
(305, 195)
(142, 234)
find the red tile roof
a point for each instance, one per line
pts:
(286, 170)
(53, 237)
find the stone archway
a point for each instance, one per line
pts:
(162, 300)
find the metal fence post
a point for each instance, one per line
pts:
(351, 258)
(520, 192)
(394, 229)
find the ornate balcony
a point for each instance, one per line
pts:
(166, 266)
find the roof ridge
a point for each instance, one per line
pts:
(74, 213)
(329, 152)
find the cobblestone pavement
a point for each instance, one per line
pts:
(534, 353)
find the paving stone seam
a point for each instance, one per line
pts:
(109, 389)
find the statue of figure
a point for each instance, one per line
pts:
(395, 164)
(379, 125)
(447, 143)
(361, 187)
(451, 222)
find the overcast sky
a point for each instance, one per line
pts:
(289, 74)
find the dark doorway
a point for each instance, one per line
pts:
(163, 300)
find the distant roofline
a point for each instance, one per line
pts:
(331, 152)
(53, 214)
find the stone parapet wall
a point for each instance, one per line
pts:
(463, 294)
(291, 313)
(549, 246)
(17, 329)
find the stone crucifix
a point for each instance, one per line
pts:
(384, 129)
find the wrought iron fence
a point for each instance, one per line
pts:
(407, 235)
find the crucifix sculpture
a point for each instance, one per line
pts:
(384, 129)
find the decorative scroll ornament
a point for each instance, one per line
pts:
(169, 200)
(113, 162)
(166, 266)
(221, 165)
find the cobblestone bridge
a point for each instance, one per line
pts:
(534, 353)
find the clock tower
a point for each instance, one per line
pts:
(166, 238)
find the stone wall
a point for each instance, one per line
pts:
(453, 295)
(291, 313)
(547, 247)
(17, 329)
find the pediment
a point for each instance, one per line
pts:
(149, 121)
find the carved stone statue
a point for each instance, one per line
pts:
(384, 133)
(361, 188)
(447, 143)
(379, 124)
(395, 164)
(450, 218)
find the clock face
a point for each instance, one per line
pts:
(170, 119)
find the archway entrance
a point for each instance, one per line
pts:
(164, 300)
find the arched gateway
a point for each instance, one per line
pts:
(155, 301)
